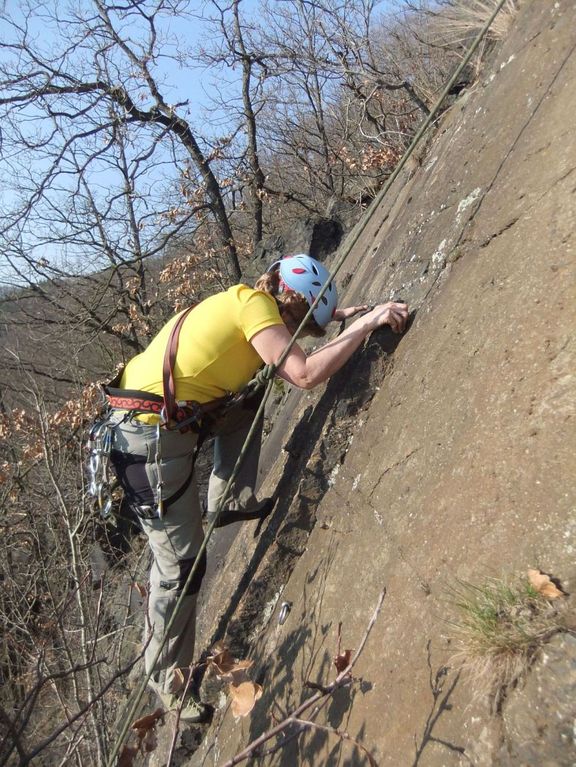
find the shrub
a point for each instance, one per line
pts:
(499, 629)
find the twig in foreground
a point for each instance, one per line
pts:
(321, 694)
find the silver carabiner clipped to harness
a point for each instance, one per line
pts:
(99, 445)
(159, 483)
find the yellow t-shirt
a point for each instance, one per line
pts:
(214, 352)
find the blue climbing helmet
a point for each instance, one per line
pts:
(307, 276)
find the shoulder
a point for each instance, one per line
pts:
(243, 294)
(256, 309)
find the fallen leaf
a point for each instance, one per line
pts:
(147, 722)
(342, 660)
(224, 664)
(221, 660)
(126, 758)
(244, 697)
(140, 589)
(543, 584)
(178, 680)
(238, 675)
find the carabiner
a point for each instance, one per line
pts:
(95, 462)
(104, 501)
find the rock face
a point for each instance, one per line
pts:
(319, 237)
(539, 719)
(447, 454)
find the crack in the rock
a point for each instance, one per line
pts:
(388, 469)
(476, 208)
(562, 178)
(500, 231)
(461, 239)
(536, 204)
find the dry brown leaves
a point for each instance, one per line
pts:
(342, 660)
(140, 589)
(179, 680)
(244, 696)
(243, 691)
(369, 158)
(31, 432)
(192, 274)
(544, 585)
(145, 731)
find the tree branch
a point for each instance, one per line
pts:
(295, 717)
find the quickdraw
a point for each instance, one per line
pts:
(101, 485)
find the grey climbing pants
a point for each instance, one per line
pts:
(155, 469)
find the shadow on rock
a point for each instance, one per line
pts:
(312, 451)
(440, 705)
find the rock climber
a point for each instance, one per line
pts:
(220, 345)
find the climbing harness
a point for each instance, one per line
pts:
(205, 419)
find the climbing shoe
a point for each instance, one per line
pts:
(230, 516)
(191, 709)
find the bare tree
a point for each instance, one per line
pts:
(74, 90)
(233, 45)
(102, 180)
(60, 655)
(345, 90)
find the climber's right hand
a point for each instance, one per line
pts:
(394, 314)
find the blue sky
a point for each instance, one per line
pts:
(178, 83)
(201, 84)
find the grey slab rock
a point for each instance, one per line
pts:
(539, 720)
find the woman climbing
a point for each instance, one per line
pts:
(202, 356)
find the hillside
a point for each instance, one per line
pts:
(445, 456)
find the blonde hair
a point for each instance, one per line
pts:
(292, 305)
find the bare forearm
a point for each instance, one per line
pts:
(306, 372)
(327, 360)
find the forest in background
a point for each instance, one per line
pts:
(119, 207)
